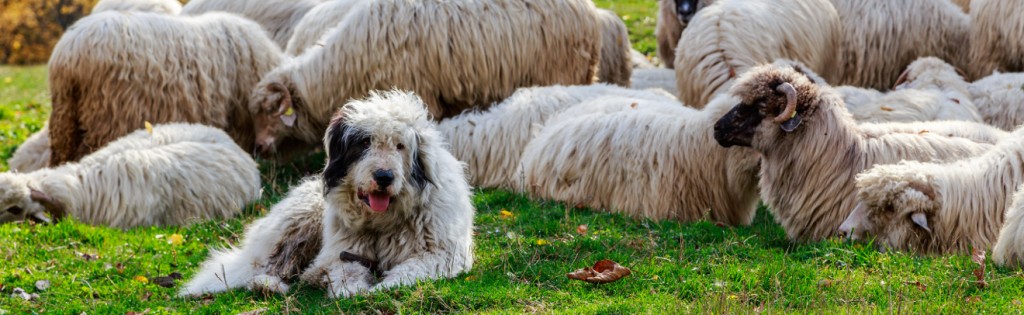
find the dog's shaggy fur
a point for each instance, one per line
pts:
(392, 200)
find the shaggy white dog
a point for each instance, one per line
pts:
(391, 207)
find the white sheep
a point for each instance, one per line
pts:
(727, 37)
(940, 207)
(650, 161)
(615, 66)
(881, 35)
(811, 148)
(113, 71)
(393, 44)
(33, 154)
(172, 7)
(278, 17)
(999, 98)
(317, 22)
(996, 37)
(1009, 248)
(172, 175)
(491, 141)
(655, 78)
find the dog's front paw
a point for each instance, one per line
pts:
(348, 287)
(268, 284)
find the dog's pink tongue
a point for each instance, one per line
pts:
(379, 202)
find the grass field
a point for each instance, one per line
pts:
(521, 259)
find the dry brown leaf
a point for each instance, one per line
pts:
(582, 229)
(918, 284)
(978, 257)
(825, 283)
(604, 271)
(886, 108)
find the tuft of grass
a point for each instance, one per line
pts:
(521, 260)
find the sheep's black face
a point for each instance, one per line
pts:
(685, 9)
(737, 127)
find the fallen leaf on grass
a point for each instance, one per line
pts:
(973, 299)
(175, 239)
(166, 282)
(978, 257)
(505, 214)
(146, 296)
(825, 283)
(1015, 302)
(918, 284)
(604, 271)
(582, 229)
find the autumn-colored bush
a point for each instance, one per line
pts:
(30, 28)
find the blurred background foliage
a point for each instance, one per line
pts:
(30, 28)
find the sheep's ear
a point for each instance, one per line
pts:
(921, 220)
(284, 109)
(55, 209)
(792, 123)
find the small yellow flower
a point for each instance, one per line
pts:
(8, 80)
(733, 297)
(175, 239)
(542, 242)
(141, 279)
(655, 278)
(149, 127)
(505, 214)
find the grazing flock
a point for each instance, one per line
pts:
(892, 122)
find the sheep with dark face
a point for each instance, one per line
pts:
(812, 149)
(673, 16)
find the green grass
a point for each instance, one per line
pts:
(677, 268)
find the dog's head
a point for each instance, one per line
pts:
(376, 150)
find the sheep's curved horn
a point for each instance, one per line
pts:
(790, 91)
(286, 96)
(55, 209)
(902, 79)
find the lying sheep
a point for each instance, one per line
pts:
(615, 65)
(811, 148)
(997, 37)
(317, 22)
(172, 7)
(1009, 248)
(656, 78)
(637, 60)
(940, 207)
(33, 154)
(999, 98)
(110, 73)
(928, 90)
(673, 16)
(491, 141)
(173, 175)
(278, 17)
(729, 36)
(295, 101)
(881, 35)
(659, 163)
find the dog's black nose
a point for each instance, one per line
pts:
(384, 178)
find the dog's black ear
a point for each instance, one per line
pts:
(345, 146)
(419, 170)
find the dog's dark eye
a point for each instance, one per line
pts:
(365, 143)
(400, 146)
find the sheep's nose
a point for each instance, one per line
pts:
(384, 178)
